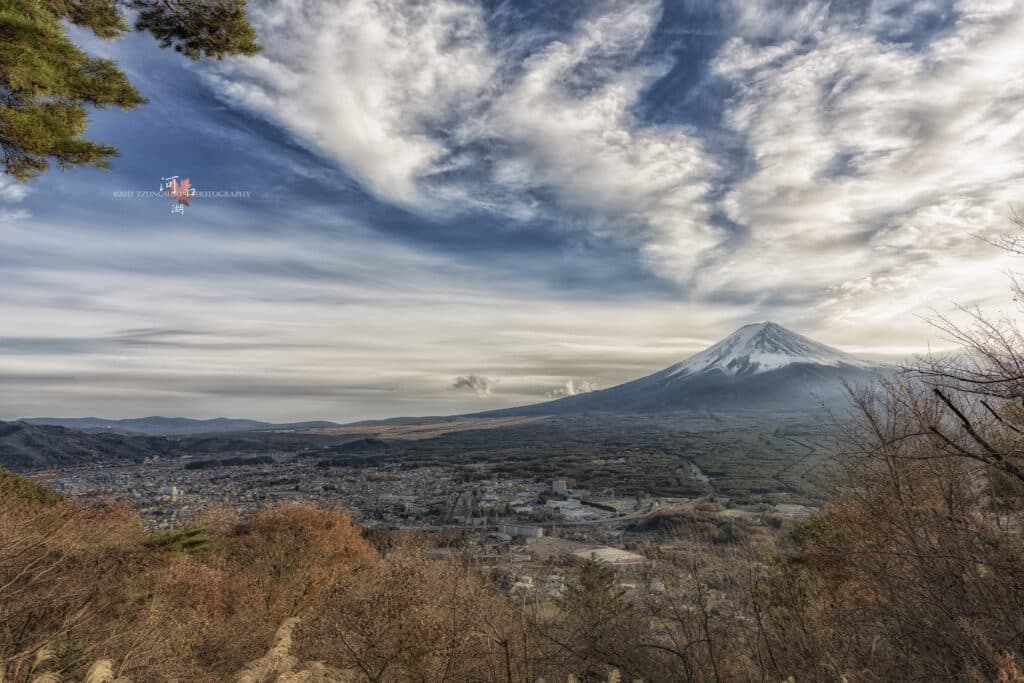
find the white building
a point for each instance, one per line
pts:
(524, 531)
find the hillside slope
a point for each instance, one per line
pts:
(26, 446)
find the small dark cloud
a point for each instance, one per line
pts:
(481, 386)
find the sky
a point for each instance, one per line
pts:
(457, 205)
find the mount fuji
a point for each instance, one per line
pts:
(759, 366)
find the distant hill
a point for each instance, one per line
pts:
(760, 366)
(25, 446)
(170, 426)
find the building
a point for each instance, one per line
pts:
(559, 487)
(524, 531)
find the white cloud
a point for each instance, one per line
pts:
(876, 163)
(369, 82)
(775, 20)
(641, 184)
(572, 388)
(11, 190)
(871, 160)
(402, 92)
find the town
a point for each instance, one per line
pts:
(530, 531)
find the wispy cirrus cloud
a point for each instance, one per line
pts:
(859, 146)
(875, 162)
(376, 85)
(436, 114)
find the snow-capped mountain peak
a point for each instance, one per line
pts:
(761, 347)
(759, 366)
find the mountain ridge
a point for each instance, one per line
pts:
(158, 425)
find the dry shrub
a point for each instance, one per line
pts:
(702, 626)
(915, 569)
(408, 618)
(226, 603)
(61, 568)
(80, 583)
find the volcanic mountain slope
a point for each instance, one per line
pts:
(759, 366)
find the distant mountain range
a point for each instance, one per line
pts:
(170, 426)
(762, 366)
(759, 366)
(30, 447)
